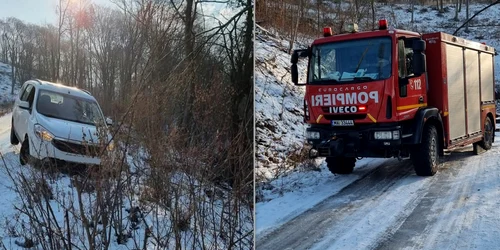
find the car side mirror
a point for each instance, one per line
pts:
(109, 121)
(24, 105)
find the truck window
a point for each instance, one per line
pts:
(405, 58)
(351, 61)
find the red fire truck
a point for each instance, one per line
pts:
(396, 93)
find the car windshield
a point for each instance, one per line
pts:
(70, 108)
(351, 61)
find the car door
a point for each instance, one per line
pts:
(22, 114)
(15, 109)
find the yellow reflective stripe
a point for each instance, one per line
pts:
(371, 118)
(411, 106)
(319, 118)
(488, 106)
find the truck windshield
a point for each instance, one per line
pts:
(351, 61)
(70, 108)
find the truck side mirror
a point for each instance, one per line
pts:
(295, 57)
(295, 74)
(294, 60)
(419, 64)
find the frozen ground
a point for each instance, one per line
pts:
(386, 206)
(383, 204)
(5, 85)
(148, 217)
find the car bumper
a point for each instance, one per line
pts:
(43, 150)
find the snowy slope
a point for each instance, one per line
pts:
(285, 187)
(150, 217)
(5, 85)
(278, 107)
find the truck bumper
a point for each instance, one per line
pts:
(358, 142)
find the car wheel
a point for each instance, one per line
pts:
(24, 155)
(13, 137)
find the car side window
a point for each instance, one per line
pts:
(26, 92)
(31, 96)
(21, 92)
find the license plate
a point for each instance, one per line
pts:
(343, 123)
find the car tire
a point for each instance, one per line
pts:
(24, 154)
(13, 137)
(340, 165)
(425, 156)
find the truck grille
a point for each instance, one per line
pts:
(323, 152)
(75, 148)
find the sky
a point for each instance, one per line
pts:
(35, 11)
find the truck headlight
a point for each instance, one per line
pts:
(43, 133)
(395, 135)
(386, 135)
(312, 135)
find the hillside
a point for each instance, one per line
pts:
(5, 85)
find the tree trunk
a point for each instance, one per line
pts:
(374, 21)
(12, 70)
(467, 15)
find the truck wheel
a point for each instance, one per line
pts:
(489, 133)
(340, 165)
(13, 137)
(425, 156)
(24, 154)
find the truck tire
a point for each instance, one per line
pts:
(340, 165)
(13, 137)
(489, 133)
(425, 156)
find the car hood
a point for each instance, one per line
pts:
(68, 130)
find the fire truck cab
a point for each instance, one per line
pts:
(396, 93)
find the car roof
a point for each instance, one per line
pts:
(60, 88)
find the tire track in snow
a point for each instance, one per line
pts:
(448, 215)
(327, 187)
(330, 215)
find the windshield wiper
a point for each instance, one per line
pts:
(51, 116)
(362, 57)
(362, 79)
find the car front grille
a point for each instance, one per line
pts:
(75, 148)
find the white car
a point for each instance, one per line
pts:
(57, 123)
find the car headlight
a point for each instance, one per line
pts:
(111, 146)
(312, 135)
(43, 133)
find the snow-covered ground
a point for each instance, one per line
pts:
(214, 217)
(6, 85)
(300, 204)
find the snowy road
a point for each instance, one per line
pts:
(392, 208)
